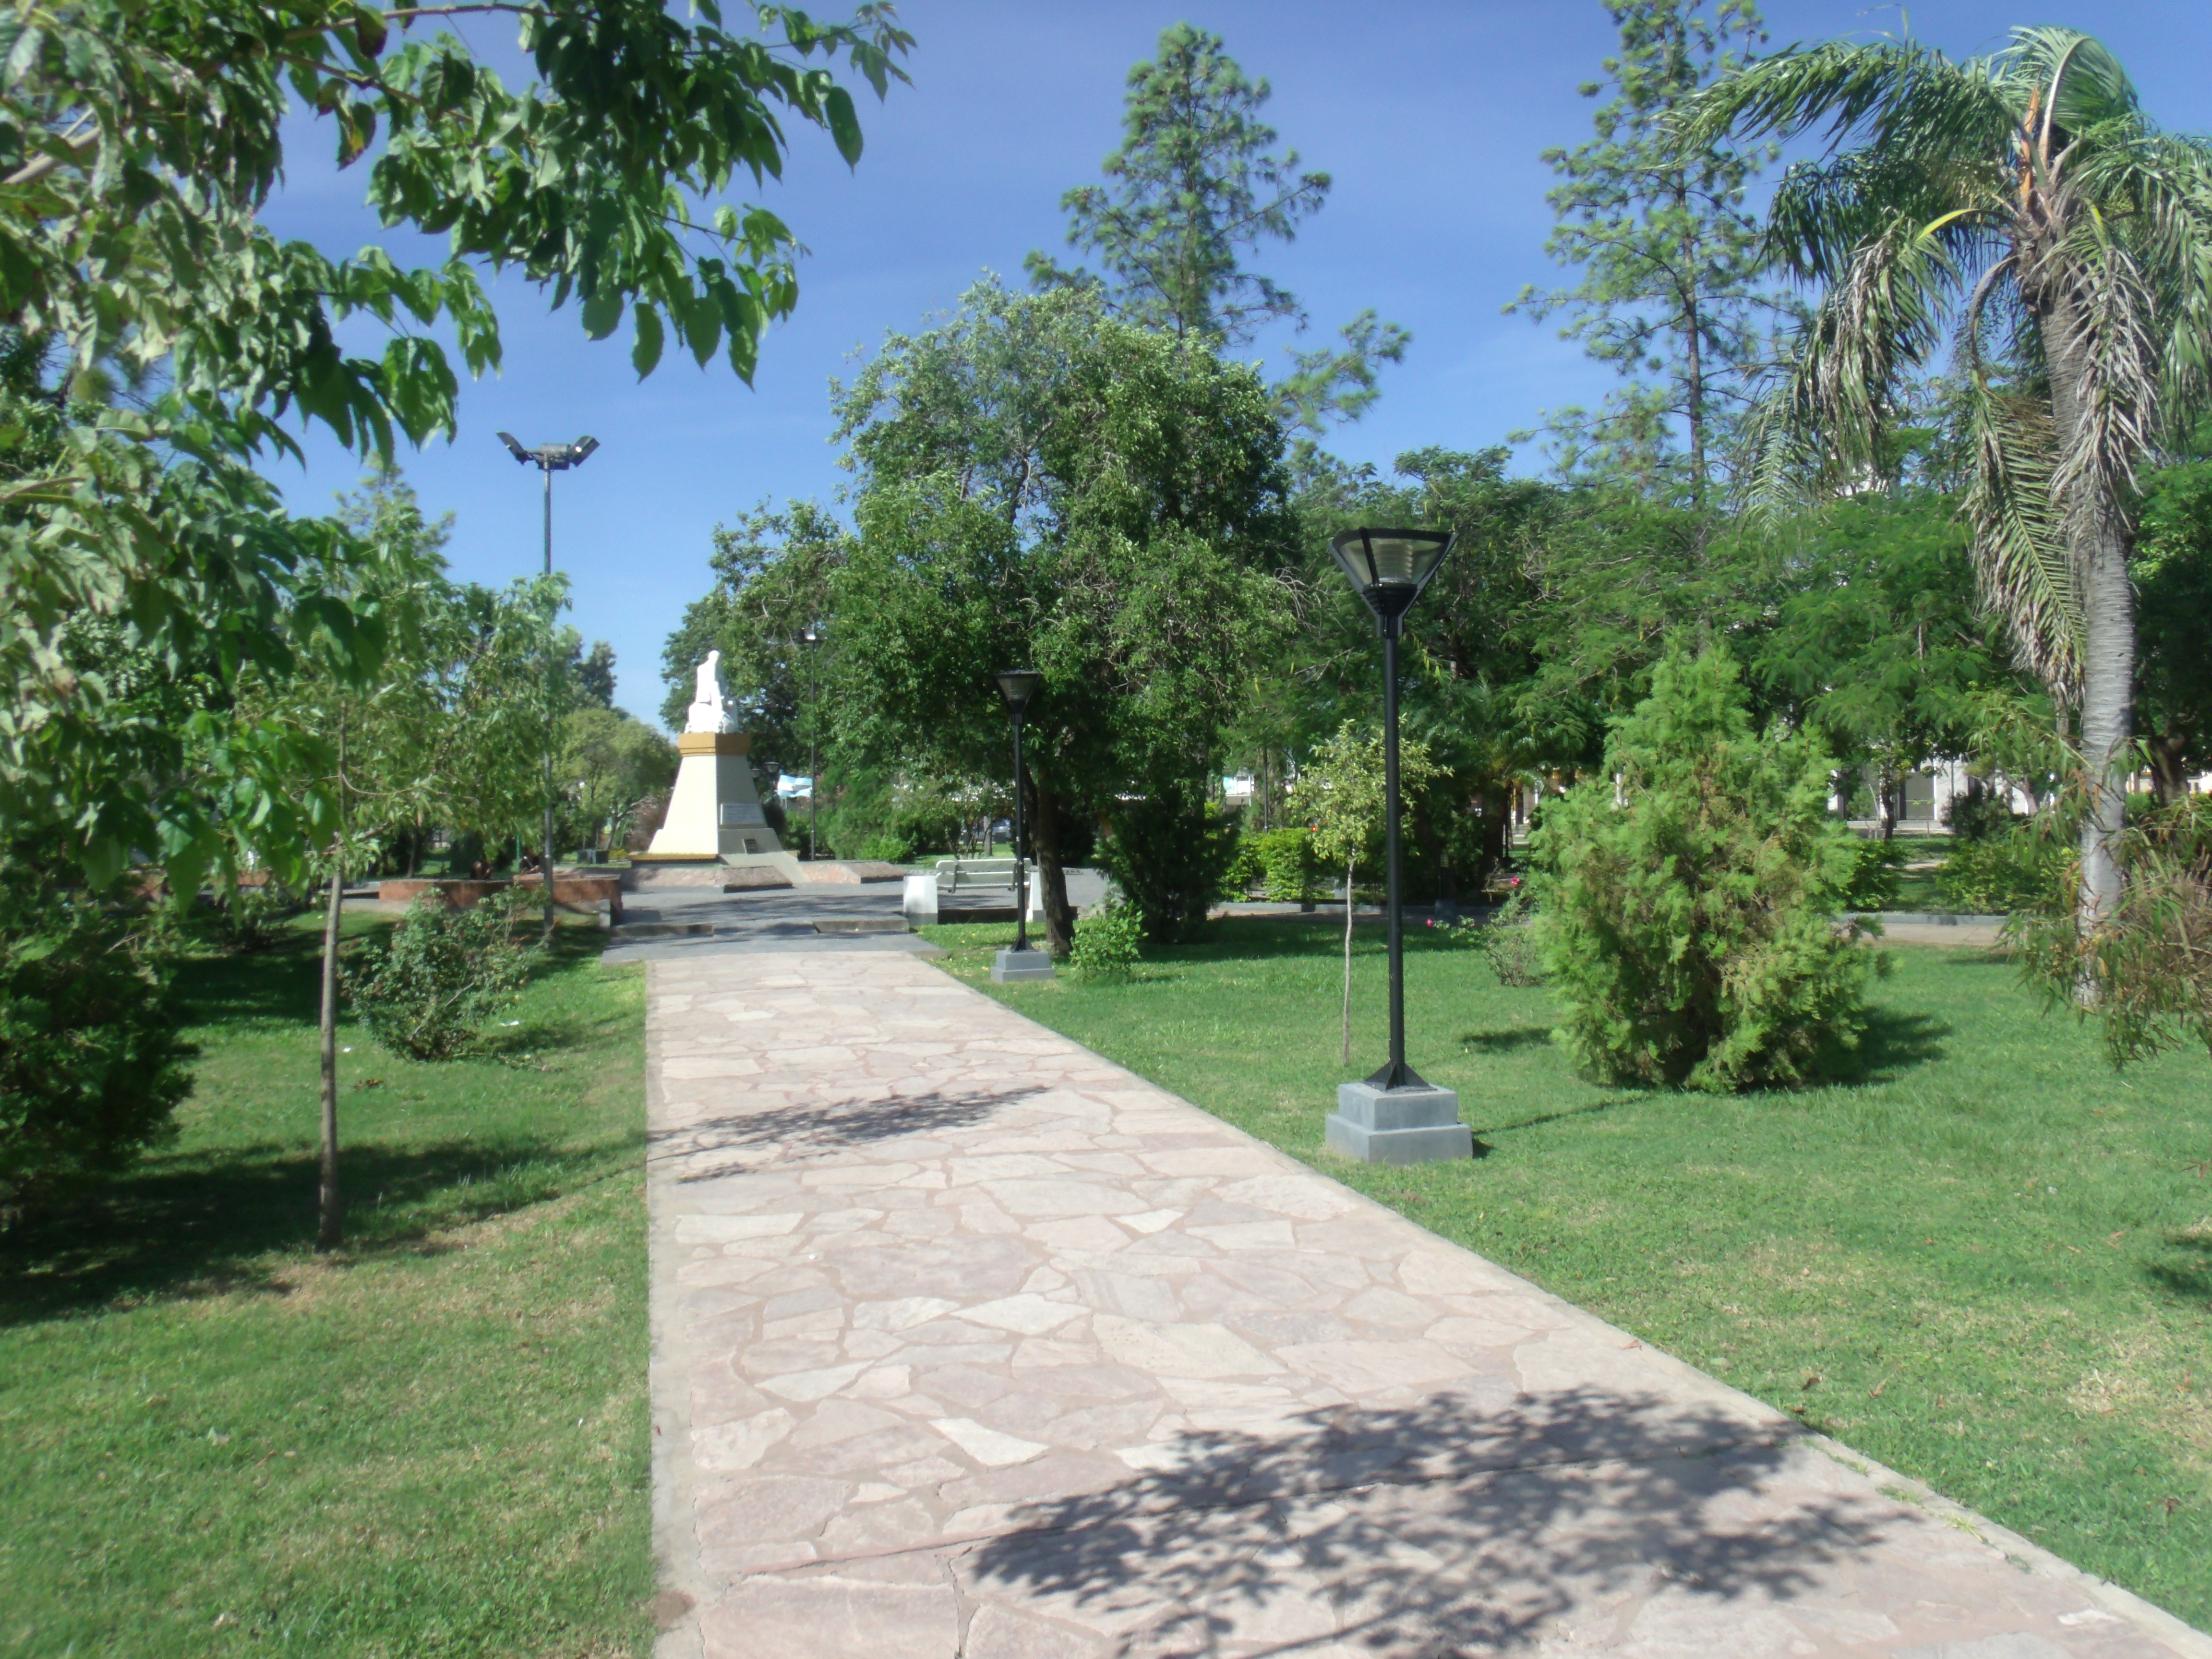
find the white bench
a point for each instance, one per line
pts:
(956, 884)
(975, 876)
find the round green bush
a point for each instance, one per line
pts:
(1108, 943)
(91, 1063)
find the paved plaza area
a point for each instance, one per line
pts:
(967, 1343)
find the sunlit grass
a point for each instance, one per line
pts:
(434, 1442)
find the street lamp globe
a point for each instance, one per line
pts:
(1018, 686)
(1388, 569)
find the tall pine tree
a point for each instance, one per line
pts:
(1668, 256)
(1194, 187)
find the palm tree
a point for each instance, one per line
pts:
(2022, 204)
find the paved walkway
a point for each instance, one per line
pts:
(969, 1343)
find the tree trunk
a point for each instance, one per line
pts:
(1693, 368)
(330, 1218)
(1496, 826)
(2168, 782)
(1345, 1058)
(2098, 538)
(1052, 878)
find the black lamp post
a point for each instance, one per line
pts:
(1018, 686)
(812, 640)
(549, 459)
(1394, 1117)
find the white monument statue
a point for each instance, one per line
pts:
(710, 699)
(715, 811)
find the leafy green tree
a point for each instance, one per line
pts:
(1041, 485)
(1877, 639)
(609, 764)
(594, 675)
(2024, 204)
(138, 146)
(1345, 791)
(2173, 589)
(1192, 189)
(1668, 252)
(1686, 903)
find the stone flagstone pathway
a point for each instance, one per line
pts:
(969, 1343)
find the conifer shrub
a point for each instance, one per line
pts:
(1687, 900)
(1169, 851)
(427, 990)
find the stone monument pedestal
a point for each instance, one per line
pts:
(1010, 965)
(1377, 1124)
(714, 811)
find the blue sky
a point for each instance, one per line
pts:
(1429, 117)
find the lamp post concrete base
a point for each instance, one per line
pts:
(1397, 1126)
(1010, 965)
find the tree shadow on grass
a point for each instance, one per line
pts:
(2183, 1268)
(1510, 1041)
(1468, 1523)
(1892, 1044)
(217, 1222)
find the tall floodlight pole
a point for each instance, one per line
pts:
(1018, 686)
(1394, 1117)
(549, 459)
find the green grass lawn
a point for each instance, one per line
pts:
(1984, 1258)
(434, 1442)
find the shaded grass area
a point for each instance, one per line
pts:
(435, 1441)
(1980, 1256)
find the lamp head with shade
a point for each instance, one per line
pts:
(1018, 686)
(1388, 569)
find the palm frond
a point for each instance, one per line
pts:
(2020, 560)
(1906, 100)
(1823, 212)
(2162, 184)
(2111, 324)
(2082, 83)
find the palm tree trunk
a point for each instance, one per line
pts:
(2107, 703)
(2099, 535)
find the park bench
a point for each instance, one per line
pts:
(977, 889)
(980, 877)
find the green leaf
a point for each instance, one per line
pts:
(645, 353)
(844, 124)
(603, 309)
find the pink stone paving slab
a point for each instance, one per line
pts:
(969, 1344)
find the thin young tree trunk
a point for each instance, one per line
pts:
(1345, 1058)
(329, 1217)
(1693, 377)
